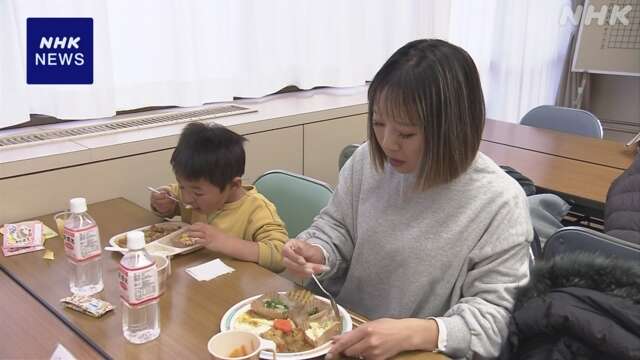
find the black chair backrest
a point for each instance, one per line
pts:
(577, 239)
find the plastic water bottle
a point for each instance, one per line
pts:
(83, 249)
(138, 278)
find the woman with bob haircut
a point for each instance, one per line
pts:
(424, 234)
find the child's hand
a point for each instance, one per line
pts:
(161, 201)
(303, 259)
(207, 235)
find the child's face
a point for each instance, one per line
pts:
(402, 143)
(202, 195)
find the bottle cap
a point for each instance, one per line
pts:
(78, 205)
(135, 240)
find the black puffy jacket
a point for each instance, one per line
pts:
(577, 307)
(622, 208)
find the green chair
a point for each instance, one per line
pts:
(345, 154)
(298, 198)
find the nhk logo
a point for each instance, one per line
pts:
(59, 51)
(616, 14)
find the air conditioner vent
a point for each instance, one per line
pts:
(135, 123)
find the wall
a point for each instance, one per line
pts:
(616, 101)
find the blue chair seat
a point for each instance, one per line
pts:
(574, 121)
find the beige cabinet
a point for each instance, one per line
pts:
(323, 142)
(128, 177)
(49, 191)
(275, 149)
(311, 149)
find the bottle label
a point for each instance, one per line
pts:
(138, 285)
(82, 244)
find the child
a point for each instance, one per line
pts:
(208, 163)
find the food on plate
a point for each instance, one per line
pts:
(122, 241)
(184, 240)
(155, 232)
(300, 296)
(271, 306)
(291, 341)
(322, 327)
(240, 351)
(284, 325)
(295, 321)
(152, 233)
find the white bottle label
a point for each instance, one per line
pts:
(82, 244)
(138, 285)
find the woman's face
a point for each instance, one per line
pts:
(402, 143)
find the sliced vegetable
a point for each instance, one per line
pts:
(275, 304)
(283, 325)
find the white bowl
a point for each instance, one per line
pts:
(163, 264)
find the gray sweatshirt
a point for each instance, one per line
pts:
(456, 252)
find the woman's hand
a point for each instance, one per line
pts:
(303, 259)
(161, 201)
(384, 338)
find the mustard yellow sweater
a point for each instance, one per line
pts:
(252, 218)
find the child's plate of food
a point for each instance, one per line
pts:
(165, 239)
(299, 323)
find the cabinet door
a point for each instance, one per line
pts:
(50, 191)
(275, 149)
(323, 142)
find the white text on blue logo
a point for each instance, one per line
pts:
(53, 58)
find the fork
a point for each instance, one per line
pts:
(170, 196)
(334, 305)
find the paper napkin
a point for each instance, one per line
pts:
(209, 270)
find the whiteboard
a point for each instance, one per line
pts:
(609, 48)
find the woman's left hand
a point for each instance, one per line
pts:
(384, 338)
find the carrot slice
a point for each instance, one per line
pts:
(283, 325)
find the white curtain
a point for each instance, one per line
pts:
(519, 48)
(186, 53)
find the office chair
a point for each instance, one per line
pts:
(577, 239)
(297, 198)
(574, 121)
(345, 154)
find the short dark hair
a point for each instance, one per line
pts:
(210, 152)
(435, 86)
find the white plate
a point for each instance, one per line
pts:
(229, 319)
(162, 246)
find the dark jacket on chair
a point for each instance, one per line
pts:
(622, 209)
(577, 306)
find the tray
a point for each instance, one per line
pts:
(162, 246)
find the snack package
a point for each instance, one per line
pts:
(22, 250)
(87, 305)
(24, 234)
